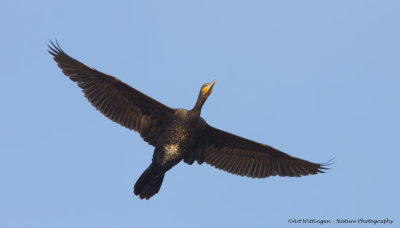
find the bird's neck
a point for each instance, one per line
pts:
(199, 104)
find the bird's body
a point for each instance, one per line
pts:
(174, 143)
(177, 139)
(177, 134)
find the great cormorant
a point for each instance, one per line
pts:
(177, 134)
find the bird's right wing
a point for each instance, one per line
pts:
(244, 157)
(115, 99)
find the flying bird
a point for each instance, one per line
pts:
(177, 134)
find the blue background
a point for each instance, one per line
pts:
(316, 79)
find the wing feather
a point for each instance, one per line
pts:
(244, 157)
(115, 99)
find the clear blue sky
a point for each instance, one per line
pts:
(316, 79)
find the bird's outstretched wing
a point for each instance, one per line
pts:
(243, 157)
(115, 99)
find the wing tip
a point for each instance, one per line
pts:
(324, 166)
(54, 47)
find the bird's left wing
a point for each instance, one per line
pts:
(244, 157)
(115, 99)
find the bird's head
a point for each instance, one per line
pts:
(206, 89)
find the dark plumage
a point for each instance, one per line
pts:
(177, 134)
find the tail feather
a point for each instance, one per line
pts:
(149, 183)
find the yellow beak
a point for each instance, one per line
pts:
(210, 86)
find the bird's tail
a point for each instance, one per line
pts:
(149, 183)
